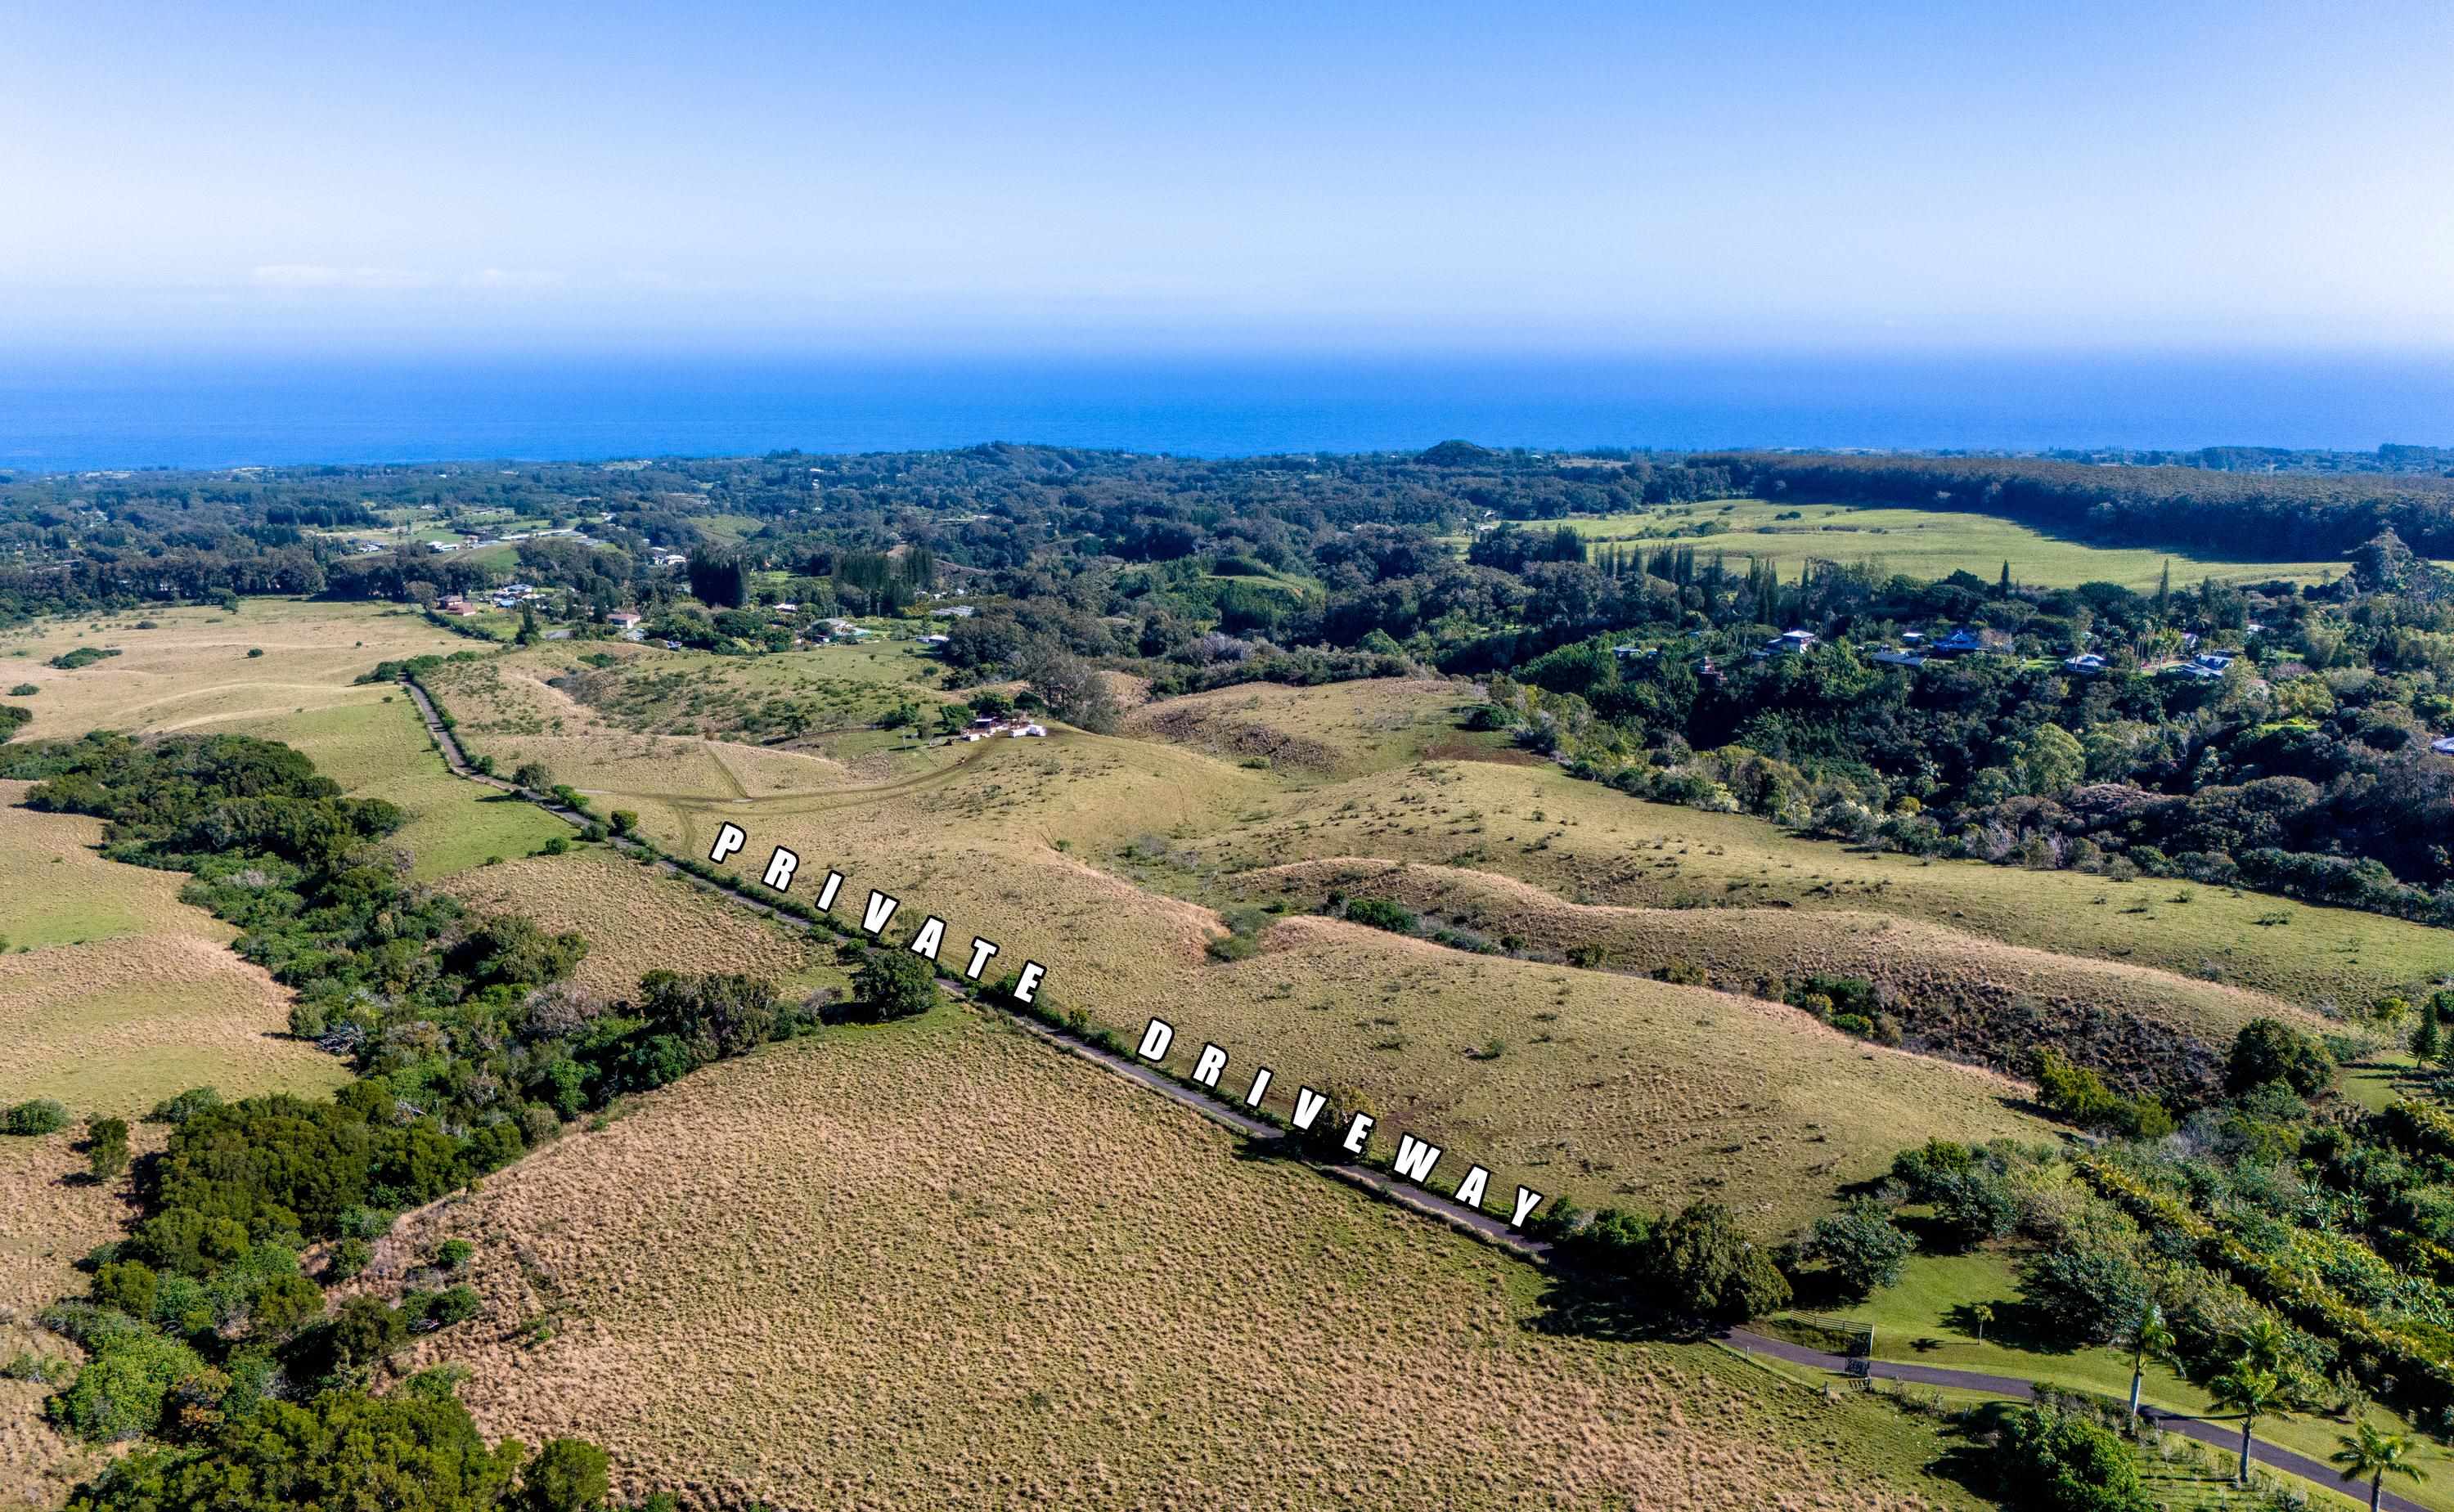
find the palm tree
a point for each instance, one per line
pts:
(1980, 1315)
(2153, 1339)
(2253, 1393)
(2267, 1344)
(2373, 1452)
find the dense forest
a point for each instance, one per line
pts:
(86, 541)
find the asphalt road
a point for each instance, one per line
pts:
(2218, 1432)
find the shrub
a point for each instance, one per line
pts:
(1919, 1170)
(624, 822)
(121, 1393)
(454, 1253)
(41, 1116)
(366, 1329)
(130, 1285)
(1381, 913)
(554, 845)
(1971, 1207)
(454, 1305)
(893, 985)
(186, 1105)
(24, 690)
(1859, 1244)
(106, 1148)
(1702, 1268)
(2090, 1294)
(255, 650)
(568, 1475)
(2080, 1095)
(2051, 1462)
(349, 1258)
(2268, 1050)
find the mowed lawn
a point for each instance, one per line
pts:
(935, 1263)
(1920, 543)
(1925, 1319)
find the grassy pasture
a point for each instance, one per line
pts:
(1591, 845)
(380, 749)
(822, 704)
(1921, 543)
(1345, 730)
(934, 1264)
(638, 920)
(49, 1220)
(1610, 1087)
(193, 668)
(1948, 983)
(138, 996)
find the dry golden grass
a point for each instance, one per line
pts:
(971, 845)
(1937, 978)
(638, 919)
(1607, 1087)
(194, 670)
(1591, 845)
(936, 1264)
(49, 1220)
(1340, 728)
(129, 1017)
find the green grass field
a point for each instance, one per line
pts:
(1923, 1319)
(1921, 543)
(380, 750)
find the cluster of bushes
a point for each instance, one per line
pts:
(414, 1449)
(2057, 1457)
(2277, 1222)
(1381, 913)
(1851, 1005)
(2078, 1094)
(1692, 1268)
(470, 1048)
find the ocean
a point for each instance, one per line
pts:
(72, 413)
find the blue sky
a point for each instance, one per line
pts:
(1249, 177)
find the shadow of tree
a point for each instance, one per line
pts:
(1581, 1304)
(2015, 1325)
